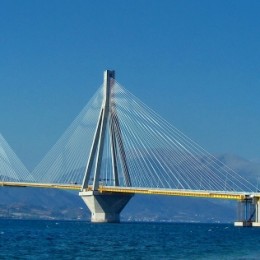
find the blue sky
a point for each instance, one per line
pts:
(197, 63)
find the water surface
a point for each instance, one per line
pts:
(83, 240)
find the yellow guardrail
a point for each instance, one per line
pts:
(41, 185)
(133, 190)
(181, 193)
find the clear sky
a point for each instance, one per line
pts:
(197, 63)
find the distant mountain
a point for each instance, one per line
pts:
(41, 203)
(179, 209)
(250, 170)
(58, 204)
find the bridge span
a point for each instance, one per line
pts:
(228, 195)
(118, 147)
(246, 200)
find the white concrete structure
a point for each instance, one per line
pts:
(105, 207)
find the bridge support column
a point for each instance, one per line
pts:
(256, 222)
(105, 207)
(248, 212)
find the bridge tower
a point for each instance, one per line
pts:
(106, 207)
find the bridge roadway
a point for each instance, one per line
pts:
(230, 195)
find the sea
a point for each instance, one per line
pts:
(41, 239)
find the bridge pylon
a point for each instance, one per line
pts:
(106, 207)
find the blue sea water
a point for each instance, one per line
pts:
(83, 240)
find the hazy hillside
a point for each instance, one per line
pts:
(41, 203)
(56, 204)
(248, 169)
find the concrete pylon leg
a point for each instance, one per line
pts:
(248, 213)
(256, 222)
(105, 207)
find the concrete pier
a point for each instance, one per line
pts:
(248, 212)
(105, 207)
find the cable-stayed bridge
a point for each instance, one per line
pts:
(118, 147)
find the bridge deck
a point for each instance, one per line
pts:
(41, 185)
(133, 190)
(182, 193)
